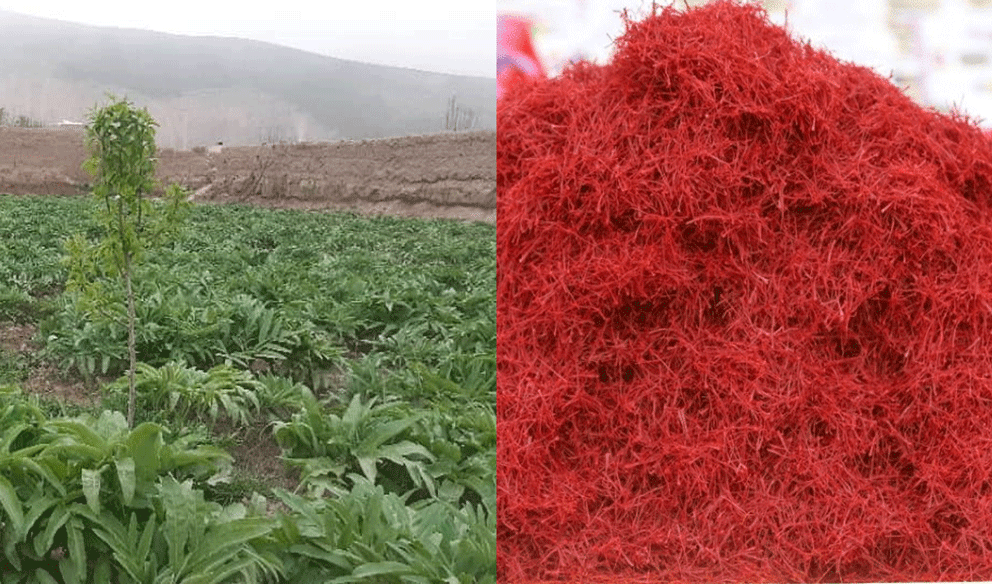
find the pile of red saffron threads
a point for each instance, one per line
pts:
(744, 317)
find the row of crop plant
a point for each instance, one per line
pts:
(362, 348)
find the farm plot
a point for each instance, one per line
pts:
(318, 390)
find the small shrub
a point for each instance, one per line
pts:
(15, 305)
(194, 395)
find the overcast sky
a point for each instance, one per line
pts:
(447, 36)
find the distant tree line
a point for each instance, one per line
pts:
(459, 118)
(20, 121)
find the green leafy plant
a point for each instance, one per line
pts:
(390, 322)
(193, 394)
(204, 542)
(281, 394)
(255, 332)
(64, 481)
(104, 454)
(365, 435)
(14, 367)
(14, 304)
(369, 535)
(121, 139)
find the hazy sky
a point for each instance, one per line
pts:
(447, 36)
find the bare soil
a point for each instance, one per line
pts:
(257, 454)
(44, 379)
(450, 175)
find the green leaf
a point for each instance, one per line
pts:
(111, 424)
(180, 518)
(81, 432)
(91, 488)
(333, 558)
(231, 512)
(110, 530)
(224, 542)
(45, 473)
(380, 569)
(353, 414)
(400, 451)
(224, 570)
(12, 505)
(77, 548)
(387, 431)
(43, 577)
(368, 466)
(125, 474)
(144, 444)
(145, 544)
(43, 543)
(450, 491)
(102, 571)
(234, 412)
(36, 507)
(264, 327)
(70, 571)
(75, 450)
(10, 434)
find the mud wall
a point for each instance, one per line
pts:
(450, 175)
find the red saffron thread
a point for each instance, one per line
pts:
(744, 317)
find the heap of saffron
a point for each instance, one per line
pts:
(744, 317)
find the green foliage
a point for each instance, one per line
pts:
(15, 304)
(326, 276)
(368, 534)
(31, 234)
(281, 288)
(280, 394)
(103, 497)
(69, 487)
(121, 140)
(186, 393)
(204, 542)
(433, 468)
(370, 342)
(118, 467)
(192, 325)
(365, 435)
(445, 448)
(14, 367)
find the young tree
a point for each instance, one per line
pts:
(121, 141)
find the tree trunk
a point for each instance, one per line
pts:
(130, 341)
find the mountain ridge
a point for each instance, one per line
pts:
(204, 89)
